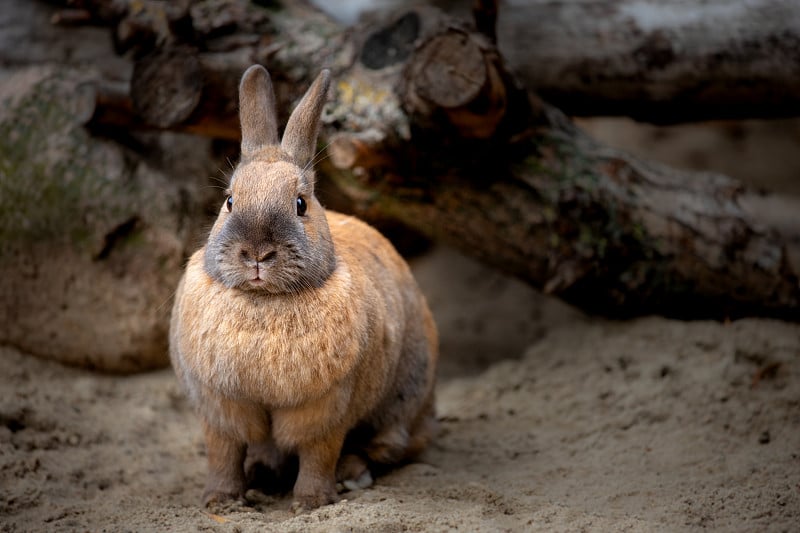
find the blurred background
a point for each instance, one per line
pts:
(599, 198)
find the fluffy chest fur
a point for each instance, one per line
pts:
(278, 351)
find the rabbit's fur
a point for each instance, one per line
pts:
(299, 331)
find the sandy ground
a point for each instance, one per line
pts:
(551, 421)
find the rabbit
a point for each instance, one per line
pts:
(297, 331)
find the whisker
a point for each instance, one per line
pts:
(167, 301)
(321, 159)
(224, 180)
(316, 159)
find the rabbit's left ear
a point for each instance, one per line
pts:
(257, 110)
(300, 136)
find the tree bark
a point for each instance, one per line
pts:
(663, 62)
(427, 125)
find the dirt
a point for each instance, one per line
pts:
(550, 421)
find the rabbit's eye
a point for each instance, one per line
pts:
(301, 206)
(229, 203)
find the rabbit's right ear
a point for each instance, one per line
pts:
(300, 135)
(257, 110)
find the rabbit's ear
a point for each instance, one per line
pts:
(300, 136)
(257, 110)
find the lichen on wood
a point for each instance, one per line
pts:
(91, 238)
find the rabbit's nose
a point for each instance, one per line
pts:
(265, 255)
(259, 254)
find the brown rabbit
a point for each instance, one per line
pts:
(297, 331)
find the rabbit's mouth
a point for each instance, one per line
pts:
(258, 278)
(258, 275)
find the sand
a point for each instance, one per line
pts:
(550, 421)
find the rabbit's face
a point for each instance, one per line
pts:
(271, 234)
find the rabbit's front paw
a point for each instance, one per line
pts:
(307, 501)
(221, 492)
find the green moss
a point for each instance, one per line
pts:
(584, 215)
(47, 179)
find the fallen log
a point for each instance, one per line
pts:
(427, 125)
(656, 61)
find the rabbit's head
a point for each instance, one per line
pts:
(271, 233)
